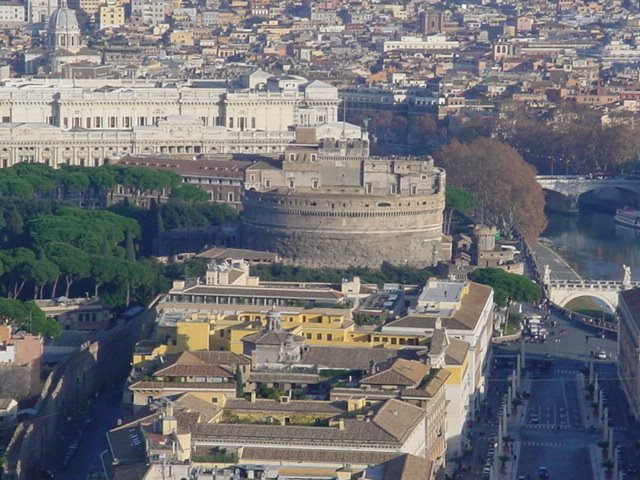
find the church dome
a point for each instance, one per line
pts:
(63, 19)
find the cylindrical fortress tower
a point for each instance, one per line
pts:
(343, 226)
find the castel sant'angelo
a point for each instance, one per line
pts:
(328, 203)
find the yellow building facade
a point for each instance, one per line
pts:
(225, 330)
(111, 15)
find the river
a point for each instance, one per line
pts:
(594, 245)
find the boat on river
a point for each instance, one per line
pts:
(628, 217)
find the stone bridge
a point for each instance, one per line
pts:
(561, 292)
(573, 186)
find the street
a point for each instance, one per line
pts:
(553, 434)
(104, 414)
(556, 425)
(560, 269)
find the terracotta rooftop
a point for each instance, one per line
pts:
(456, 351)
(391, 424)
(259, 454)
(203, 370)
(401, 372)
(347, 358)
(304, 406)
(407, 467)
(183, 166)
(472, 305)
(266, 292)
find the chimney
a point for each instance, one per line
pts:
(252, 399)
(438, 323)
(337, 422)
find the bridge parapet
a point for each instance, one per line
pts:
(590, 285)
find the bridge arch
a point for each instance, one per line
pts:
(562, 297)
(623, 189)
(569, 188)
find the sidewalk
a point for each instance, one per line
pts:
(595, 455)
(517, 419)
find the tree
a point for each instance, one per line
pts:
(130, 251)
(507, 285)
(72, 263)
(504, 186)
(86, 230)
(15, 187)
(189, 193)
(18, 265)
(144, 180)
(45, 272)
(73, 180)
(102, 270)
(458, 200)
(29, 316)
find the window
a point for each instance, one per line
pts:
(267, 183)
(292, 183)
(98, 122)
(315, 183)
(230, 197)
(142, 121)
(253, 122)
(314, 157)
(113, 122)
(230, 122)
(292, 157)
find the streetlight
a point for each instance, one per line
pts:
(104, 466)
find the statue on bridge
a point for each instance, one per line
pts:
(546, 275)
(626, 280)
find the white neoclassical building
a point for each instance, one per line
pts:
(83, 122)
(278, 104)
(54, 146)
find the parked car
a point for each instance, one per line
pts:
(600, 354)
(543, 472)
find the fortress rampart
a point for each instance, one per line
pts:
(338, 227)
